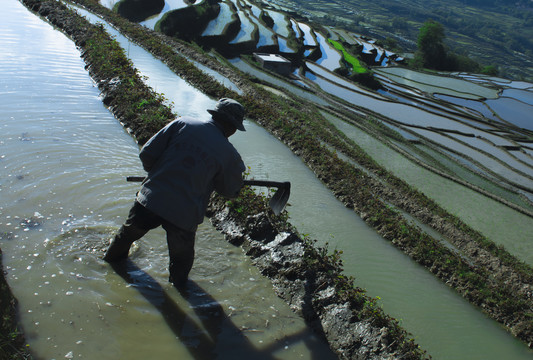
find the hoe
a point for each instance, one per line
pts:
(277, 202)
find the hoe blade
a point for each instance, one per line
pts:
(280, 198)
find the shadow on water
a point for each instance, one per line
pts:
(203, 342)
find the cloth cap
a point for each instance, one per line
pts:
(232, 110)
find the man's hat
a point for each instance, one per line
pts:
(232, 110)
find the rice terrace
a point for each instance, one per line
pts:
(405, 129)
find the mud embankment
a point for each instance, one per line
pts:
(309, 279)
(12, 341)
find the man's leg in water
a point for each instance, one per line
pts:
(140, 220)
(181, 253)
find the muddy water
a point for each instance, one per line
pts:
(63, 194)
(81, 302)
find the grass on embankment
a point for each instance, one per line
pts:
(349, 58)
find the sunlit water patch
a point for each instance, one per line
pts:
(281, 24)
(474, 208)
(513, 111)
(108, 3)
(520, 95)
(478, 107)
(513, 84)
(245, 33)
(256, 10)
(216, 26)
(307, 35)
(439, 84)
(449, 141)
(411, 116)
(452, 163)
(266, 35)
(243, 66)
(296, 29)
(318, 70)
(218, 77)
(284, 47)
(522, 170)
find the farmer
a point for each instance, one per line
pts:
(185, 161)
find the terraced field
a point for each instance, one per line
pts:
(498, 34)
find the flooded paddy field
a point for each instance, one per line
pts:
(491, 144)
(216, 26)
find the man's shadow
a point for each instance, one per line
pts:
(202, 342)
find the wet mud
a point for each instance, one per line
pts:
(310, 283)
(12, 340)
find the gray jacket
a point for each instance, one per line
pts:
(186, 161)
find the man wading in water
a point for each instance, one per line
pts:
(185, 161)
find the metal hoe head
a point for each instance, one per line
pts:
(279, 200)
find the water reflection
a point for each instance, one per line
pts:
(513, 111)
(281, 24)
(441, 129)
(246, 30)
(439, 84)
(496, 221)
(245, 67)
(216, 26)
(330, 58)
(520, 95)
(478, 107)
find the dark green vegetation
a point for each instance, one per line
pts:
(12, 342)
(186, 23)
(432, 53)
(142, 103)
(497, 33)
(498, 290)
(137, 10)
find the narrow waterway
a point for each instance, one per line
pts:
(62, 189)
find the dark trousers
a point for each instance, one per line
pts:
(180, 242)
